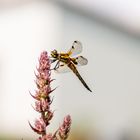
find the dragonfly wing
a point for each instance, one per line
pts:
(76, 48)
(62, 68)
(81, 60)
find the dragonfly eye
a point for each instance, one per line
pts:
(54, 54)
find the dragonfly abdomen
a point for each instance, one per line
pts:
(73, 68)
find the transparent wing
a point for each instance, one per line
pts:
(81, 60)
(62, 68)
(76, 48)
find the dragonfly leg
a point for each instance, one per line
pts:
(52, 60)
(56, 66)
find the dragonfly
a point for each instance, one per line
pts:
(66, 62)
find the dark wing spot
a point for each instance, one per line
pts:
(72, 47)
(75, 41)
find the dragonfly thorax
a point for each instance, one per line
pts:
(64, 57)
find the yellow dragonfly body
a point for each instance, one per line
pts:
(66, 61)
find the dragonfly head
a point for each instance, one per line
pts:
(54, 53)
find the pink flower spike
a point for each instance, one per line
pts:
(43, 101)
(36, 130)
(35, 97)
(64, 129)
(40, 125)
(48, 137)
(42, 105)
